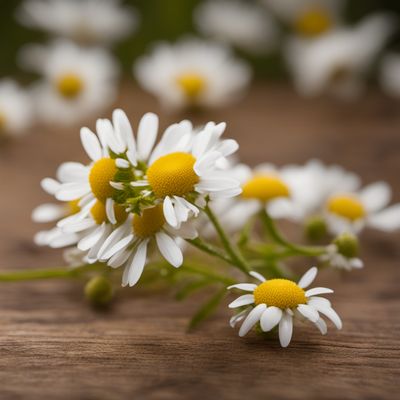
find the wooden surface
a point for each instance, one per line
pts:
(53, 346)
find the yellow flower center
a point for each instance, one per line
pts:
(280, 293)
(347, 206)
(313, 22)
(99, 214)
(102, 172)
(69, 85)
(192, 84)
(173, 175)
(265, 188)
(150, 222)
(73, 207)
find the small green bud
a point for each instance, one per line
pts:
(315, 228)
(347, 245)
(99, 291)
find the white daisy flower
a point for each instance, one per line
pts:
(183, 169)
(278, 301)
(77, 82)
(15, 109)
(245, 25)
(84, 21)
(338, 62)
(335, 259)
(308, 18)
(127, 245)
(390, 74)
(351, 212)
(192, 73)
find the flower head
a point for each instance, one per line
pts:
(192, 73)
(278, 301)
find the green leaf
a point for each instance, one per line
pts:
(207, 309)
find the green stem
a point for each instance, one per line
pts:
(278, 238)
(208, 248)
(233, 252)
(50, 273)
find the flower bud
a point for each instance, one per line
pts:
(99, 291)
(347, 245)
(315, 228)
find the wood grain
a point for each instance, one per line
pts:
(52, 346)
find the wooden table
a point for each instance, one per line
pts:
(53, 346)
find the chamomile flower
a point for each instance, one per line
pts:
(308, 18)
(335, 259)
(390, 74)
(76, 81)
(15, 109)
(338, 62)
(182, 173)
(278, 301)
(84, 21)
(127, 245)
(242, 24)
(351, 212)
(192, 73)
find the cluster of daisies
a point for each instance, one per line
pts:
(138, 198)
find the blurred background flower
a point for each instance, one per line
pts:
(71, 56)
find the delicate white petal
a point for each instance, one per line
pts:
(330, 313)
(110, 212)
(117, 247)
(320, 301)
(48, 212)
(251, 319)
(270, 318)
(242, 301)
(376, 196)
(169, 249)
(238, 317)
(318, 290)
(169, 212)
(121, 163)
(49, 185)
(90, 240)
(147, 134)
(308, 278)
(138, 262)
(119, 258)
(386, 220)
(91, 144)
(257, 275)
(285, 329)
(72, 191)
(206, 163)
(308, 312)
(72, 172)
(249, 287)
(321, 325)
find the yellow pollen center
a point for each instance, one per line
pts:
(102, 172)
(150, 222)
(98, 212)
(347, 206)
(73, 207)
(265, 188)
(173, 175)
(313, 22)
(69, 85)
(192, 84)
(280, 293)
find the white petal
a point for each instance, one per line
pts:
(48, 212)
(248, 287)
(138, 262)
(285, 329)
(91, 144)
(251, 319)
(206, 162)
(90, 240)
(376, 196)
(169, 249)
(50, 185)
(110, 212)
(169, 212)
(242, 301)
(313, 301)
(118, 259)
(121, 163)
(318, 290)
(308, 278)
(147, 134)
(308, 312)
(228, 147)
(117, 247)
(321, 325)
(123, 128)
(386, 220)
(258, 276)
(72, 172)
(270, 318)
(331, 314)
(238, 317)
(72, 191)
(113, 238)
